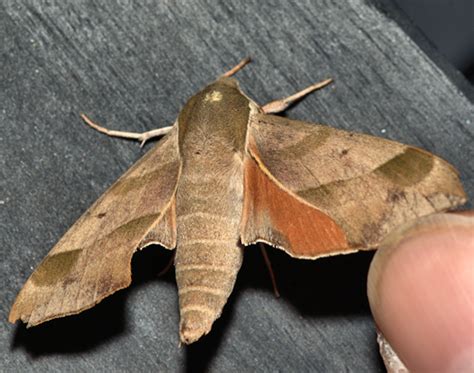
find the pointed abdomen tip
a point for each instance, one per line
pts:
(193, 326)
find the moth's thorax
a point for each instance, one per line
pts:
(214, 118)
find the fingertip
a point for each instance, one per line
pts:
(421, 291)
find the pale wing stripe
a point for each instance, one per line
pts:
(83, 272)
(98, 274)
(203, 289)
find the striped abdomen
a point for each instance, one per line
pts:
(208, 255)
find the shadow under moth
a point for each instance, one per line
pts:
(226, 175)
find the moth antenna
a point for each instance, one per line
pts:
(270, 269)
(142, 137)
(282, 104)
(237, 67)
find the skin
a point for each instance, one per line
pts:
(421, 292)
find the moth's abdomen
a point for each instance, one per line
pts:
(204, 284)
(208, 254)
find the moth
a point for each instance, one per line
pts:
(226, 175)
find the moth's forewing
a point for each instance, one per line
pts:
(92, 260)
(366, 185)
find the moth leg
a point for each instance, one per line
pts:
(236, 68)
(278, 106)
(167, 266)
(142, 137)
(270, 269)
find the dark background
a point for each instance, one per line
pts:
(132, 66)
(449, 25)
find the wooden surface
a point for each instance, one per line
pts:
(132, 67)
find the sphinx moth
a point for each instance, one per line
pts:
(226, 175)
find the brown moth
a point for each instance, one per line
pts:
(307, 189)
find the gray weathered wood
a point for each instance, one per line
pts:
(131, 67)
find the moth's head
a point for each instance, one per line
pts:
(224, 92)
(221, 109)
(227, 82)
(227, 88)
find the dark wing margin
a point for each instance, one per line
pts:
(93, 259)
(366, 185)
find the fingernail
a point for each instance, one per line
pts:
(389, 356)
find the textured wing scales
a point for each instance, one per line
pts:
(276, 217)
(366, 185)
(93, 259)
